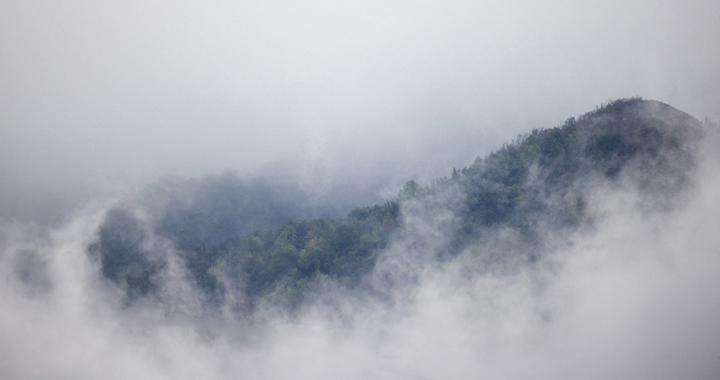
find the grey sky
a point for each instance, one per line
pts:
(101, 93)
(98, 94)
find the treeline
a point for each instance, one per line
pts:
(531, 188)
(539, 183)
(288, 261)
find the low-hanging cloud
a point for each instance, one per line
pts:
(634, 296)
(345, 102)
(358, 96)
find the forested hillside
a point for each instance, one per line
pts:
(508, 207)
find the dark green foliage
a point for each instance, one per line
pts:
(530, 187)
(200, 264)
(284, 264)
(123, 257)
(284, 256)
(214, 209)
(412, 190)
(120, 244)
(543, 176)
(144, 281)
(315, 257)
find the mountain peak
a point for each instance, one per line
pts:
(510, 206)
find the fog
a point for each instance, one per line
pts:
(334, 106)
(357, 97)
(634, 296)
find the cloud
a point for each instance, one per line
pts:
(99, 99)
(100, 95)
(635, 296)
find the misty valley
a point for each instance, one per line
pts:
(559, 255)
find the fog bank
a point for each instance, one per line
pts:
(310, 108)
(357, 98)
(635, 296)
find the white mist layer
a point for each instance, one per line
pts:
(358, 96)
(636, 298)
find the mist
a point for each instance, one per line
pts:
(633, 296)
(357, 98)
(202, 123)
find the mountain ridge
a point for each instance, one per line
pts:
(530, 188)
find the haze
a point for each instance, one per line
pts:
(345, 102)
(352, 95)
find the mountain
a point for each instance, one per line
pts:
(503, 211)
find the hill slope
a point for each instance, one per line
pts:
(509, 207)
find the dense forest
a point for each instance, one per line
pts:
(245, 246)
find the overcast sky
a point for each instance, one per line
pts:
(98, 93)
